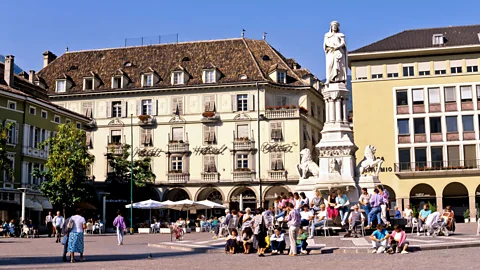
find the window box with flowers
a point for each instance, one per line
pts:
(210, 116)
(303, 110)
(146, 119)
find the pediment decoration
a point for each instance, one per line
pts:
(242, 116)
(116, 122)
(177, 119)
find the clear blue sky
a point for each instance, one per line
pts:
(295, 28)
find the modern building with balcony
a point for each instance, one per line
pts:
(226, 119)
(416, 96)
(33, 119)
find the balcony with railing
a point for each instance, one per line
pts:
(279, 175)
(115, 148)
(210, 117)
(211, 177)
(437, 168)
(178, 177)
(243, 175)
(178, 147)
(243, 144)
(146, 120)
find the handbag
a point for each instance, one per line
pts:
(64, 240)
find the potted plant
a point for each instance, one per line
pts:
(303, 110)
(278, 107)
(466, 215)
(144, 117)
(286, 107)
(208, 114)
(269, 108)
(292, 106)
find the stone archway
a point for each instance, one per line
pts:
(176, 194)
(422, 194)
(456, 195)
(243, 197)
(210, 193)
(272, 192)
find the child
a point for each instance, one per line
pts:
(247, 238)
(277, 241)
(397, 241)
(302, 241)
(232, 242)
(379, 239)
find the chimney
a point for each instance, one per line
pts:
(48, 57)
(31, 77)
(8, 74)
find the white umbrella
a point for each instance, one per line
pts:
(211, 204)
(148, 204)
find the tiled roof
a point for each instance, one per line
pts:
(423, 39)
(233, 58)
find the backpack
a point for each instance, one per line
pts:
(70, 225)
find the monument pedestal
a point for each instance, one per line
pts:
(368, 182)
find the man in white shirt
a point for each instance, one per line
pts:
(58, 221)
(277, 241)
(306, 215)
(320, 220)
(48, 222)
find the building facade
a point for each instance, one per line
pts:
(416, 96)
(223, 120)
(34, 120)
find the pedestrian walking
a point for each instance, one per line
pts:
(75, 237)
(49, 223)
(58, 221)
(294, 220)
(66, 232)
(119, 223)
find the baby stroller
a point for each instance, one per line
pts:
(435, 225)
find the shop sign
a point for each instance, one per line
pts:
(147, 152)
(210, 150)
(269, 147)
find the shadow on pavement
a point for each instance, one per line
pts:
(11, 261)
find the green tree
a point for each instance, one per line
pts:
(119, 160)
(65, 175)
(5, 163)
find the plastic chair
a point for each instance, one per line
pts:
(415, 226)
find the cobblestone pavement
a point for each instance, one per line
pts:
(102, 253)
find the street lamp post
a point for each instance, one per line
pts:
(104, 210)
(24, 195)
(131, 173)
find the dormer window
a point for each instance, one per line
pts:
(147, 79)
(117, 82)
(61, 86)
(210, 76)
(178, 77)
(88, 83)
(281, 77)
(438, 39)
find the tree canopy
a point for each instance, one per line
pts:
(5, 163)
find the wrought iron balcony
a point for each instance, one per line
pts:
(146, 120)
(453, 167)
(210, 117)
(115, 148)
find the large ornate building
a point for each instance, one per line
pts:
(223, 120)
(416, 96)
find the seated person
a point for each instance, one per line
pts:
(214, 222)
(277, 242)
(306, 215)
(397, 241)
(355, 219)
(379, 239)
(422, 217)
(180, 222)
(320, 220)
(26, 228)
(33, 229)
(408, 214)
(233, 242)
(398, 214)
(448, 216)
(282, 207)
(302, 241)
(247, 238)
(11, 228)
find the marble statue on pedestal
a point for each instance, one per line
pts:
(370, 165)
(307, 165)
(335, 54)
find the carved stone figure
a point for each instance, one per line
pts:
(335, 54)
(334, 165)
(370, 165)
(307, 165)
